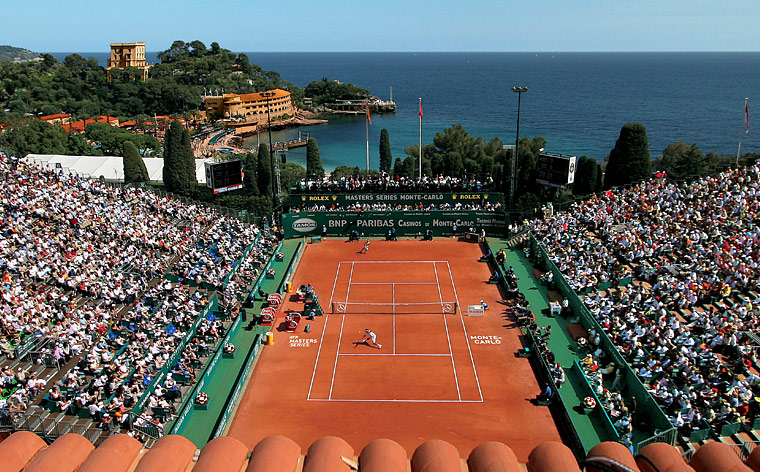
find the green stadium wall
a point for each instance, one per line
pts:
(377, 223)
(395, 198)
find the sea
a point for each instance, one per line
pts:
(577, 101)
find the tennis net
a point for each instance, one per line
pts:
(394, 308)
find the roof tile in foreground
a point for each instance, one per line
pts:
(24, 451)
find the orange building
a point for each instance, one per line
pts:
(57, 119)
(125, 55)
(250, 106)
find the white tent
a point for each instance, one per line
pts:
(111, 168)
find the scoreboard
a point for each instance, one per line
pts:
(555, 170)
(224, 176)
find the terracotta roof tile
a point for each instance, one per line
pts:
(328, 453)
(274, 454)
(171, 453)
(116, 454)
(66, 454)
(19, 449)
(717, 457)
(615, 451)
(280, 454)
(552, 456)
(436, 455)
(493, 456)
(666, 457)
(223, 454)
(383, 455)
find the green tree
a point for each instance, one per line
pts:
(134, 167)
(409, 167)
(328, 91)
(427, 168)
(188, 160)
(585, 176)
(691, 164)
(291, 174)
(629, 160)
(670, 155)
(314, 167)
(174, 172)
(37, 137)
(386, 158)
(250, 182)
(345, 171)
(264, 170)
(398, 167)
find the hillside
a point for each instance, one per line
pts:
(14, 54)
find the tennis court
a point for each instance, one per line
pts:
(439, 374)
(413, 308)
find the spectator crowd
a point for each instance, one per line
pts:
(84, 264)
(390, 183)
(383, 206)
(688, 324)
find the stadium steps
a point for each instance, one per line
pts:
(81, 425)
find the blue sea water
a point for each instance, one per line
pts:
(577, 101)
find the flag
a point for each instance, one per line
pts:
(746, 114)
(368, 117)
(420, 108)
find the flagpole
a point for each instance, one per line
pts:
(366, 125)
(420, 170)
(744, 130)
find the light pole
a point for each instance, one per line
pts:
(267, 94)
(513, 177)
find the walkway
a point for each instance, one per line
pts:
(200, 425)
(574, 390)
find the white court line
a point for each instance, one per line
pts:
(390, 262)
(393, 283)
(394, 401)
(334, 284)
(394, 354)
(321, 338)
(394, 318)
(335, 365)
(448, 338)
(340, 336)
(350, 276)
(466, 337)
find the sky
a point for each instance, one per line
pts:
(387, 25)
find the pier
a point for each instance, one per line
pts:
(360, 106)
(301, 140)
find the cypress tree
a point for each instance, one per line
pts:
(134, 167)
(174, 170)
(188, 160)
(585, 176)
(385, 151)
(409, 167)
(398, 167)
(629, 160)
(264, 171)
(314, 167)
(250, 182)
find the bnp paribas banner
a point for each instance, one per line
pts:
(346, 199)
(377, 223)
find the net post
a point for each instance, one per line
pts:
(332, 307)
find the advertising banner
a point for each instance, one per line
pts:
(378, 223)
(345, 199)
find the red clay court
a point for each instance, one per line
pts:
(439, 375)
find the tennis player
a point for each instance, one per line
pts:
(370, 339)
(365, 249)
